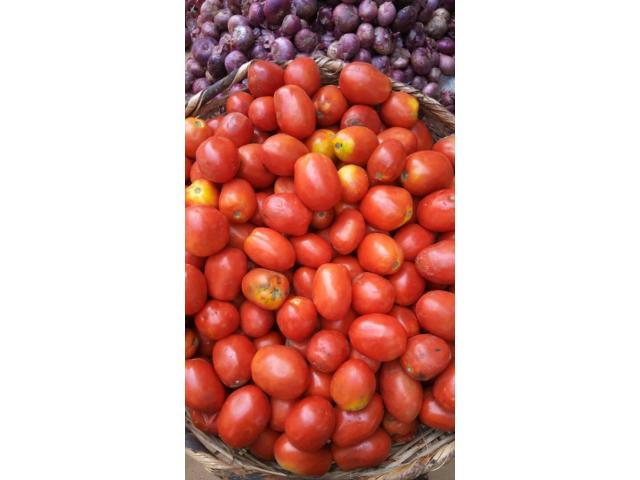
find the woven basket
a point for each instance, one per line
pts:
(431, 448)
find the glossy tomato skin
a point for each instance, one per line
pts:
(232, 357)
(283, 185)
(190, 259)
(238, 201)
(319, 384)
(206, 422)
(436, 211)
(265, 288)
(252, 166)
(285, 213)
(426, 172)
(280, 371)
(412, 238)
(281, 152)
(297, 318)
(353, 385)
(379, 253)
(255, 321)
(408, 284)
(447, 146)
(362, 83)
(354, 182)
(205, 346)
(217, 319)
(310, 423)
(327, 350)
(206, 230)
(400, 110)
(262, 448)
(295, 113)
(239, 102)
(264, 78)
(330, 105)
(195, 290)
(423, 136)
(262, 114)
(238, 233)
(322, 219)
(312, 250)
(436, 313)
(362, 115)
(350, 263)
(444, 389)
(403, 135)
(303, 281)
(425, 357)
(217, 158)
(236, 127)
(300, 462)
(195, 173)
(196, 132)
(386, 162)
(191, 343)
(321, 141)
(433, 415)
(270, 249)
(280, 410)
(355, 144)
(401, 394)
(244, 416)
(260, 198)
(304, 73)
(436, 263)
(347, 231)
(224, 272)
(378, 336)
(374, 365)
(331, 291)
(188, 163)
(407, 319)
(372, 293)
(214, 122)
(400, 432)
(316, 181)
(368, 453)
(203, 389)
(387, 207)
(201, 192)
(354, 427)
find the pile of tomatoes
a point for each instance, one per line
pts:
(319, 269)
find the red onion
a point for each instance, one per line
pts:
(447, 65)
(242, 38)
(305, 8)
(255, 15)
(362, 56)
(222, 18)
(290, 25)
(368, 10)
(382, 41)
(381, 62)
(386, 14)
(397, 75)
(422, 60)
(282, 50)
(202, 48)
(236, 21)
(325, 18)
(365, 34)
(439, 24)
(435, 74)
(405, 19)
(400, 58)
(209, 29)
(194, 68)
(431, 90)
(446, 45)
(345, 18)
(348, 46)
(234, 60)
(419, 82)
(215, 64)
(188, 81)
(200, 84)
(305, 40)
(275, 10)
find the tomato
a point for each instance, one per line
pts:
(362, 83)
(341, 325)
(195, 173)
(436, 262)
(203, 390)
(238, 233)
(400, 110)
(402, 395)
(224, 272)
(265, 288)
(191, 343)
(362, 115)
(342, 206)
(264, 78)
(206, 230)
(354, 182)
(205, 345)
(195, 290)
(400, 432)
(218, 160)
(378, 336)
(188, 163)
(402, 135)
(255, 321)
(217, 319)
(310, 423)
(280, 371)
(331, 291)
(372, 293)
(436, 313)
(232, 360)
(355, 144)
(354, 427)
(196, 131)
(423, 136)
(387, 207)
(426, 356)
(374, 365)
(190, 259)
(312, 250)
(206, 422)
(426, 172)
(295, 113)
(316, 181)
(238, 102)
(214, 122)
(297, 318)
(303, 281)
(444, 389)
(447, 146)
(304, 73)
(322, 219)
(433, 415)
(252, 166)
(271, 338)
(330, 105)
(321, 141)
(281, 152)
(257, 217)
(238, 201)
(353, 385)
(347, 231)
(279, 412)
(412, 238)
(236, 127)
(270, 249)
(379, 253)
(407, 283)
(285, 213)
(386, 162)
(351, 264)
(436, 211)
(243, 417)
(283, 185)
(327, 350)
(259, 136)
(368, 453)
(447, 235)
(319, 384)
(300, 462)
(262, 448)
(407, 319)
(201, 192)
(262, 114)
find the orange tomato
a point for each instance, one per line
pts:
(321, 141)
(355, 144)
(330, 105)
(400, 110)
(201, 192)
(354, 181)
(265, 288)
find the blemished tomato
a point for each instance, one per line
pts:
(285, 213)
(407, 319)
(402, 395)
(236, 127)
(252, 166)
(319, 384)
(205, 345)
(272, 338)
(196, 132)
(400, 110)
(239, 102)
(201, 192)
(330, 105)
(280, 371)
(436, 211)
(400, 432)
(387, 207)
(386, 162)
(321, 141)
(303, 72)
(191, 259)
(206, 230)
(378, 336)
(264, 78)
(327, 350)
(262, 114)
(402, 135)
(426, 356)
(331, 291)
(238, 201)
(436, 313)
(295, 113)
(447, 146)
(362, 115)
(244, 416)
(206, 422)
(195, 290)
(355, 144)
(224, 272)
(362, 83)
(316, 181)
(265, 288)
(262, 448)
(232, 357)
(372, 293)
(353, 385)
(379, 253)
(347, 231)
(297, 318)
(310, 423)
(354, 427)
(255, 321)
(436, 262)
(203, 389)
(312, 250)
(407, 283)
(283, 185)
(412, 238)
(368, 453)
(423, 136)
(433, 415)
(191, 343)
(350, 263)
(218, 160)
(217, 319)
(281, 152)
(279, 412)
(270, 249)
(303, 281)
(300, 462)
(322, 219)
(426, 172)
(374, 365)
(238, 233)
(444, 388)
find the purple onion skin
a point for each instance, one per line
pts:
(332, 50)
(365, 35)
(242, 38)
(408, 74)
(439, 24)
(362, 56)
(275, 10)
(209, 29)
(305, 8)
(222, 19)
(225, 42)
(415, 37)
(267, 37)
(348, 46)
(200, 84)
(237, 87)
(236, 21)
(368, 10)
(345, 18)
(325, 18)
(431, 90)
(429, 7)
(397, 75)
(234, 5)
(405, 19)
(259, 52)
(201, 49)
(422, 60)
(400, 58)
(435, 74)
(187, 39)
(382, 41)
(386, 14)
(188, 81)
(446, 45)
(234, 60)
(215, 64)
(194, 68)
(326, 40)
(290, 25)
(447, 97)
(255, 15)
(449, 5)
(418, 82)
(448, 65)
(305, 41)
(283, 50)
(381, 62)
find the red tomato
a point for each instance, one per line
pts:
(436, 211)
(239, 102)
(196, 132)
(355, 144)
(264, 78)
(342, 325)
(259, 136)
(188, 163)
(354, 182)
(300, 462)
(362, 115)
(402, 395)
(351, 264)
(201, 192)
(238, 201)
(407, 283)
(426, 356)
(433, 415)
(321, 141)
(236, 127)
(262, 114)
(262, 448)
(436, 262)
(285, 213)
(387, 207)
(444, 389)
(283, 185)
(217, 319)
(330, 105)
(243, 417)
(400, 110)
(238, 233)
(195, 290)
(270, 249)
(407, 319)
(436, 313)
(232, 360)
(319, 384)
(281, 152)
(322, 219)
(368, 453)
(224, 272)
(316, 181)
(423, 136)
(447, 235)
(355, 427)
(378, 336)
(386, 162)
(252, 166)
(400, 432)
(203, 390)
(300, 347)
(295, 113)
(303, 72)
(206, 230)
(205, 346)
(331, 291)
(374, 365)
(402, 135)
(257, 218)
(191, 343)
(214, 122)
(265, 288)
(303, 281)
(426, 172)
(372, 293)
(347, 231)
(412, 238)
(312, 250)
(255, 321)
(379, 253)
(271, 338)
(362, 83)
(327, 350)
(195, 173)
(310, 423)
(353, 385)
(297, 318)
(279, 412)
(280, 371)
(447, 146)
(206, 422)
(190, 259)
(218, 160)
